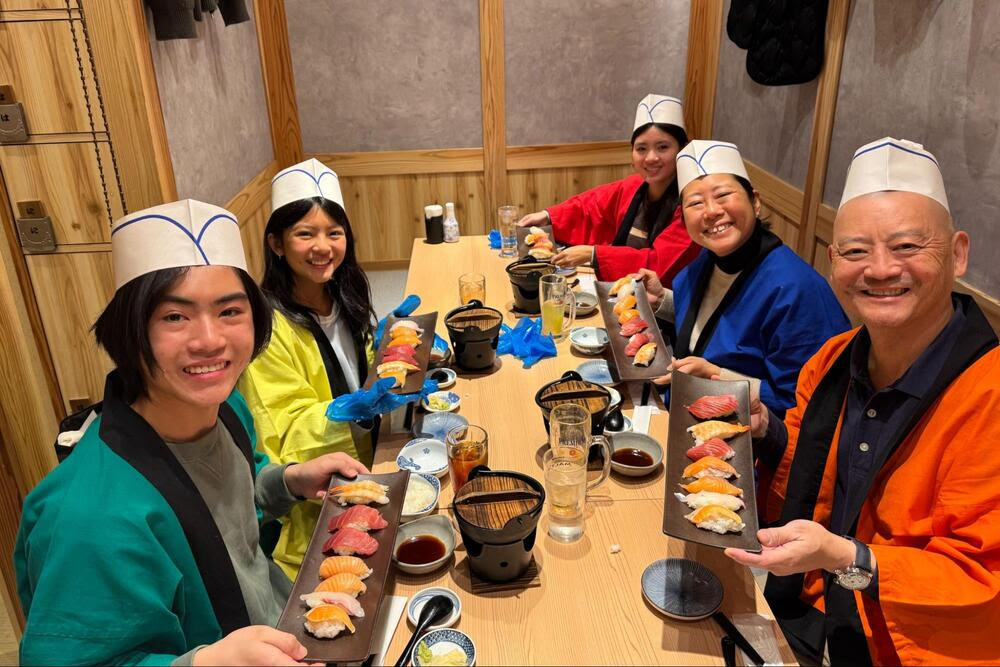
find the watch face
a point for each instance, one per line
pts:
(854, 579)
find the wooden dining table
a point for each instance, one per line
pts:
(589, 607)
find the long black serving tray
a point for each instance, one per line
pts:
(622, 367)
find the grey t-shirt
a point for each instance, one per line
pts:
(219, 470)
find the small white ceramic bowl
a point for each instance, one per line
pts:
(420, 598)
(589, 340)
(444, 640)
(424, 455)
(453, 400)
(586, 304)
(429, 480)
(640, 441)
(437, 525)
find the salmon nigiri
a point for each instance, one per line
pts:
(344, 582)
(713, 485)
(327, 621)
(710, 466)
(716, 518)
(337, 564)
(624, 304)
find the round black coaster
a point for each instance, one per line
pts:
(682, 589)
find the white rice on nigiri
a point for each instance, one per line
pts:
(702, 498)
(720, 525)
(406, 324)
(325, 629)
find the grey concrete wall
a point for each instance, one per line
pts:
(214, 108)
(576, 69)
(376, 75)
(929, 71)
(770, 124)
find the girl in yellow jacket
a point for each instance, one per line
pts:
(321, 339)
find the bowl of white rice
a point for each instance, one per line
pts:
(421, 498)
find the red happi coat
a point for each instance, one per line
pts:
(594, 217)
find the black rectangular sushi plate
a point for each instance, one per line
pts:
(685, 390)
(523, 248)
(347, 647)
(621, 364)
(414, 379)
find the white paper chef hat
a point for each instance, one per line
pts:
(182, 233)
(701, 157)
(305, 180)
(659, 109)
(894, 164)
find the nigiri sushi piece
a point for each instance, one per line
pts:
(624, 304)
(712, 485)
(399, 378)
(543, 244)
(327, 621)
(337, 564)
(342, 600)
(644, 357)
(633, 327)
(712, 447)
(404, 339)
(534, 237)
(349, 541)
(712, 407)
(359, 517)
(541, 253)
(710, 466)
(345, 582)
(618, 285)
(408, 325)
(635, 342)
(626, 315)
(408, 350)
(715, 429)
(391, 367)
(537, 230)
(393, 355)
(716, 518)
(702, 498)
(361, 493)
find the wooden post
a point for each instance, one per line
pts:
(704, 38)
(279, 81)
(822, 129)
(491, 59)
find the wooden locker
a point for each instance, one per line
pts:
(66, 178)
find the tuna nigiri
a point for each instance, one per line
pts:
(344, 582)
(712, 407)
(715, 429)
(399, 354)
(710, 466)
(408, 350)
(343, 600)
(361, 493)
(348, 541)
(713, 447)
(635, 342)
(327, 621)
(359, 517)
(713, 485)
(644, 356)
(633, 327)
(702, 498)
(716, 518)
(337, 564)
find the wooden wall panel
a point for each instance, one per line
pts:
(704, 33)
(491, 63)
(12, 5)
(71, 290)
(535, 189)
(66, 178)
(279, 81)
(48, 81)
(252, 231)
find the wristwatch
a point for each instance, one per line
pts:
(857, 575)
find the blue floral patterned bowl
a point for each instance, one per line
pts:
(443, 641)
(437, 424)
(424, 455)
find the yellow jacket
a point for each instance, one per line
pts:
(288, 390)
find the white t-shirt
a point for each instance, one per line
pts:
(340, 339)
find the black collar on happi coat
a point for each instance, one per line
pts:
(657, 226)
(819, 423)
(764, 242)
(335, 373)
(130, 436)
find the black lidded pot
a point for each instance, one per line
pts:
(571, 387)
(474, 330)
(434, 223)
(524, 274)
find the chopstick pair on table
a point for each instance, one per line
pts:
(735, 638)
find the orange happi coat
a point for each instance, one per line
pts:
(932, 519)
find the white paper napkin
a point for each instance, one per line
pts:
(640, 417)
(392, 610)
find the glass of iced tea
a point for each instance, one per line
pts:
(472, 287)
(468, 447)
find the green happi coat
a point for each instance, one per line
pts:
(118, 558)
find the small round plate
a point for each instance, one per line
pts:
(682, 589)
(596, 371)
(591, 339)
(451, 398)
(419, 599)
(437, 424)
(444, 640)
(445, 377)
(566, 271)
(424, 455)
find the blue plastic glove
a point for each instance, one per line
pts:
(494, 237)
(409, 304)
(526, 342)
(365, 404)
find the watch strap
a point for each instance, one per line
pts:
(862, 555)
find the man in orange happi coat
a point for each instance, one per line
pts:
(885, 498)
